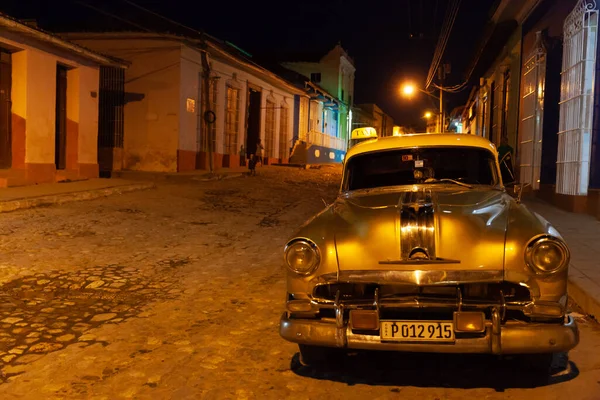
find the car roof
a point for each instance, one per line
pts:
(421, 140)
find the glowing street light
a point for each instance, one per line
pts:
(408, 89)
(427, 115)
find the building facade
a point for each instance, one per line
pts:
(382, 122)
(198, 104)
(544, 98)
(49, 100)
(333, 74)
(560, 124)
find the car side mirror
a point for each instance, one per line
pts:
(517, 190)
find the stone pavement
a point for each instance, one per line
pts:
(176, 293)
(15, 198)
(582, 233)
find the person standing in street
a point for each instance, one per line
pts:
(259, 153)
(242, 156)
(504, 148)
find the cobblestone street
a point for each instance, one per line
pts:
(176, 293)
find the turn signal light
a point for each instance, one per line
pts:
(469, 321)
(299, 305)
(548, 310)
(364, 320)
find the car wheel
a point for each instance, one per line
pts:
(317, 355)
(540, 363)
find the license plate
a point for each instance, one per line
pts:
(417, 331)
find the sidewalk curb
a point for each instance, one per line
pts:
(219, 177)
(44, 201)
(583, 299)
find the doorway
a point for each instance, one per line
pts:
(60, 136)
(5, 110)
(254, 98)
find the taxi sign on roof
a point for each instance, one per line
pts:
(364, 133)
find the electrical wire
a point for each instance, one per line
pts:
(443, 40)
(111, 15)
(163, 17)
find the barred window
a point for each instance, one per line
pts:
(283, 132)
(209, 138)
(232, 120)
(270, 129)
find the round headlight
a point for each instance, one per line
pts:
(547, 255)
(302, 256)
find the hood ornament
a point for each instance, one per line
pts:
(418, 253)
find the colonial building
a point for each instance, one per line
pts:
(197, 103)
(539, 91)
(331, 76)
(493, 107)
(49, 99)
(382, 122)
(560, 123)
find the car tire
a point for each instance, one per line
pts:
(540, 363)
(317, 355)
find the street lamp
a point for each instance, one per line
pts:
(409, 88)
(427, 115)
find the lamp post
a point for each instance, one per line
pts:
(409, 89)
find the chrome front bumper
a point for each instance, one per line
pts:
(510, 338)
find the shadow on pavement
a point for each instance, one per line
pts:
(465, 371)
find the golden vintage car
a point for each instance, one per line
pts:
(425, 250)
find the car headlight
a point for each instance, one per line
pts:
(547, 254)
(302, 256)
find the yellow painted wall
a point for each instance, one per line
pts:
(153, 103)
(19, 83)
(88, 115)
(41, 107)
(33, 96)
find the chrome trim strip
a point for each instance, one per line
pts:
(415, 302)
(419, 262)
(417, 225)
(415, 277)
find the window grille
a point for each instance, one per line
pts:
(232, 120)
(530, 144)
(270, 129)
(283, 132)
(208, 137)
(111, 100)
(577, 99)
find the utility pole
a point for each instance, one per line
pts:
(443, 69)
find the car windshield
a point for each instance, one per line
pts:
(431, 165)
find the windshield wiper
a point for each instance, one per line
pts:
(433, 180)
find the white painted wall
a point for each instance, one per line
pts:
(225, 72)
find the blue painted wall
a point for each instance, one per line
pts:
(322, 155)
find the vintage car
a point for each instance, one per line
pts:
(426, 250)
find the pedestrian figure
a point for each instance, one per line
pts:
(259, 153)
(242, 156)
(252, 164)
(504, 148)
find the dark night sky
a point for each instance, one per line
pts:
(390, 40)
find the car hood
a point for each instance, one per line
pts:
(458, 228)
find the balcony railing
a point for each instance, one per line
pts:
(325, 140)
